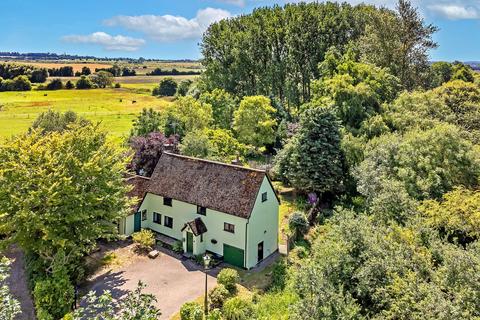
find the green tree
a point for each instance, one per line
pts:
(147, 121)
(214, 144)
(86, 71)
(61, 192)
(462, 72)
(238, 308)
(254, 122)
(355, 90)
(456, 216)
(187, 114)
(427, 163)
(400, 41)
(39, 76)
(223, 105)
(9, 306)
(102, 79)
(167, 88)
(55, 84)
(84, 83)
(183, 87)
(313, 160)
(69, 85)
(53, 294)
(440, 72)
(135, 305)
(52, 121)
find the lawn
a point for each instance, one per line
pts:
(115, 108)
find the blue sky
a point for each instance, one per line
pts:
(169, 29)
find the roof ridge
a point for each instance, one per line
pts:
(214, 162)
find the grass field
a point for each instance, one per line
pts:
(113, 107)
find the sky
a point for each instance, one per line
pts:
(172, 29)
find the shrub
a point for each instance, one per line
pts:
(53, 295)
(279, 276)
(118, 85)
(144, 239)
(229, 279)
(167, 88)
(55, 84)
(178, 247)
(69, 85)
(298, 223)
(215, 314)
(238, 309)
(217, 297)
(84, 83)
(191, 311)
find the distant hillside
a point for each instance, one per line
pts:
(59, 57)
(475, 65)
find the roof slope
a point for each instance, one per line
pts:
(139, 188)
(214, 185)
(197, 226)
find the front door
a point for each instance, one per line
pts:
(260, 251)
(189, 242)
(137, 222)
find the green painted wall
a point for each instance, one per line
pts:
(182, 213)
(263, 225)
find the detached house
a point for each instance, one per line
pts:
(228, 210)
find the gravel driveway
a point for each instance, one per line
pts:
(17, 283)
(173, 281)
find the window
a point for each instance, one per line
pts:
(168, 222)
(157, 218)
(167, 202)
(144, 215)
(264, 197)
(202, 210)
(229, 227)
(201, 237)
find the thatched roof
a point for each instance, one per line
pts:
(197, 226)
(139, 188)
(213, 185)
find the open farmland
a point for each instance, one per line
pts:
(140, 68)
(115, 108)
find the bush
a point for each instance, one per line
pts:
(118, 85)
(279, 276)
(215, 314)
(55, 84)
(238, 309)
(229, 279)
(84, 83)
(298, 223)
(217, 297)
(144, 239)
(191, 311)
(178, 247)
(167, 88)
(53, 295)
(69, 85)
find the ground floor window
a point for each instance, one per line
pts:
(157, 218)
(168, 222)
(144, 215)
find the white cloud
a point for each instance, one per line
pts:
(240, 3)
(455, 12)
(108, 42)
(168, 27)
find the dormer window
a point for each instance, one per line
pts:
(202, 210)
(167, 202)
